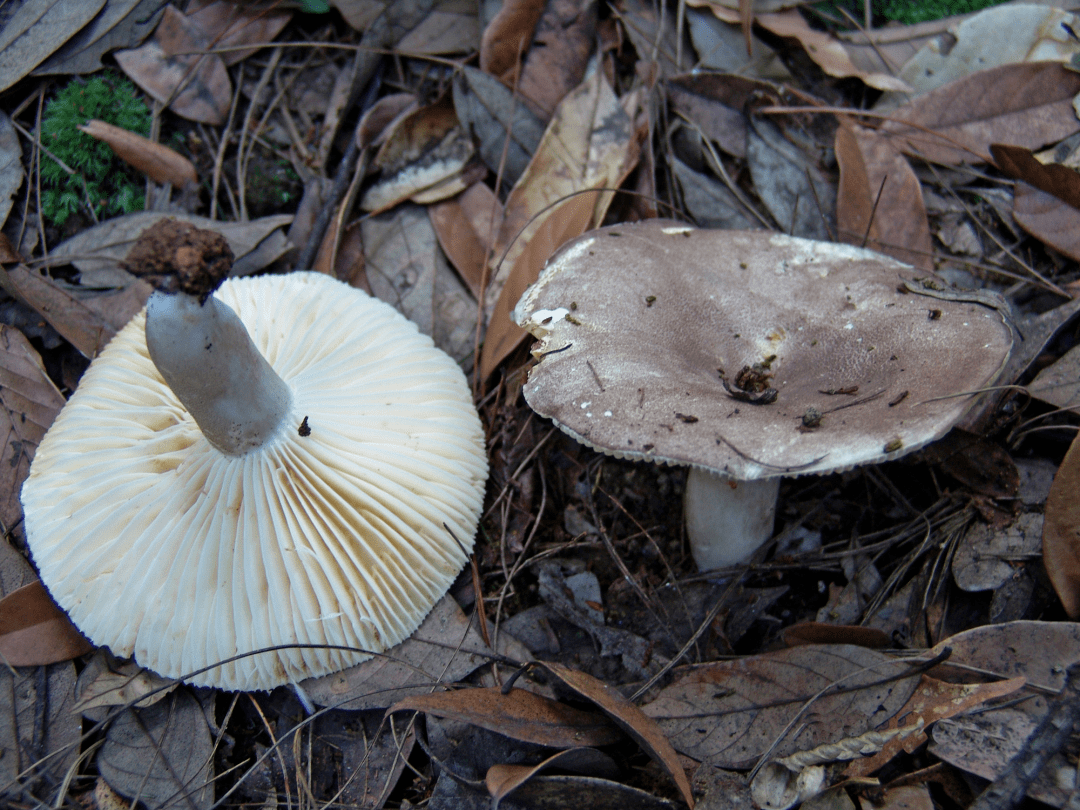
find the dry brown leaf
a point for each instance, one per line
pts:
(444, 31)
(227, 25)
(730, 713)
(563, 223)
(501, 780)
(507, 37)
(1053, 178)
(35, 29)
(107, 682)
(157, 161)
(169, 68)
(590, 143)
(121, 24)
(629, 718)
(360, 14)
(86, 324)
(558, 54)
(874, 177)
(1061, 532)
(826, 51)
(382, 118)
(520, 715)
(1047, 218)
(1059, 383)
(986, 558)
(35, 632)
(714, 103)
(458, 223)
(933, 700)
(1027, 104)
(654, 37)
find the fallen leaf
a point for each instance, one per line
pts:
(1027, 104)
(169, 68)
(1061, 532)
(715, 103)
(821, 633)
(120, 24)
(721, 47)
(11, 168)
(157, 161)
(520, 715)
(107, 682)
(227, 25)
(489, 111)
(506, 38)
(730, 713)
(466, 226)
(35, 632)
(584, 791)
(827, 52)
(877, 179)
(933, 700)
(381, 119)
(443, 31)
(1040, 651)
(558, 54)
(1059, 383)
(1049, 219)
(562, 223)
(708, 201)
(35, 29)
(502, 780)
(980, 464)
(161, 755)
(654, 37)
(406, 269)
(1053, 178)
(360, 14)
(444, 649)
(627, 716)
(987, 556)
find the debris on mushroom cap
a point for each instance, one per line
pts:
(646, 330)
(337, 531)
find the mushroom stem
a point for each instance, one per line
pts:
(207, 358)
(727, 520)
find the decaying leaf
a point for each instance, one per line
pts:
(120, 24)
(227, 25)
(106, 682)
(1048, 219)
(729, 713)
(466, 226)
(1027, 104)
(520, 715)
(1053, 178)
(1061, 532)
(35, 29)
(1059, 383)
(161, 755)
(721, 47)
(35, 632)
(558, 55)
(11, 168)
(502, 780)
(987, 555)
(453, 28)
(507, 37)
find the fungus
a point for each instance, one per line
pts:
(760, 356)
(282, 461)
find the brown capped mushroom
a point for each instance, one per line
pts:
(282, 461)
(748, 356)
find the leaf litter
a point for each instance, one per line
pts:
(476, 175)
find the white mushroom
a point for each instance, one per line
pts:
(748, 356)
(303, 485)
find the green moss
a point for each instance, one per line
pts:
(100, 179)
(910, 12)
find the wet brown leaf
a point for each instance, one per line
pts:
(1053, 178)
(1027, 104)
(729, 713)
(169, 68)
(36, 29)
(520, 715)
(34, 631)
(161, 754)
(507, 37)
(157, 161)
(874, 177)
(631, 719)
(1061, 532)
(1047, 218)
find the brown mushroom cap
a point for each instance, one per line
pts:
(637, 322)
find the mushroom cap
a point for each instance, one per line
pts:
(163, 548)
(637, 321)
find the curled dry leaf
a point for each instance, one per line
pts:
(501, 780)
(558, 54)
(519, 714)
(1027, 104)
(157, 161)
(121, 24)
(1047, 218)
(35, 632)
(228, 25)
(106, 682)
(1053, 178)
(466, 226)
(875, 177)
(36, 28)
(631, 719)
(507, 37)
(1061, 532)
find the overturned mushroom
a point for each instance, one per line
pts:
(285, 461)
(748, 356)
